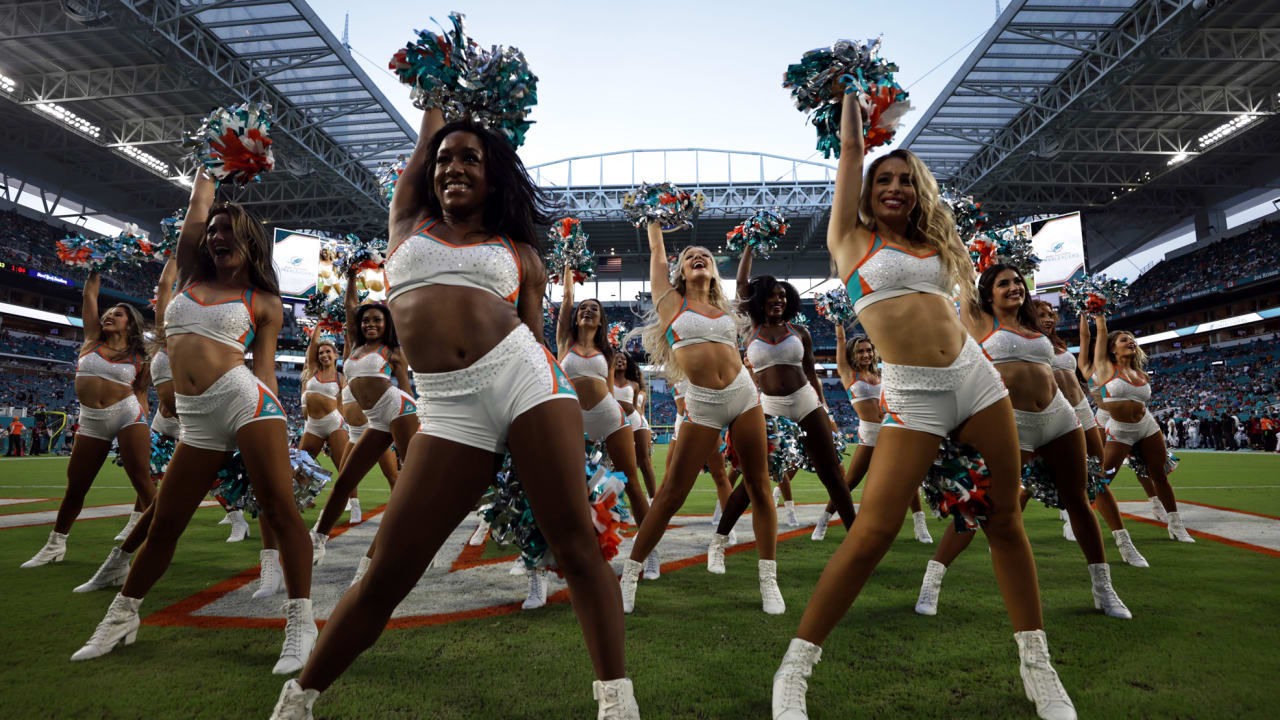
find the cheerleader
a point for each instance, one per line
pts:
(856, 363)
(1126, 390)
(587, 356)
(896, 247)
(715, 460)
(631, 391)
(111, 384)
(692, 333)
(1047, 427)
(321, 389)
(229, 304)
(466, 291)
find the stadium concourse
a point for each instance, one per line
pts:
(1127, 138)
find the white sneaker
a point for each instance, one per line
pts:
(921, 528)
(482, 532)
(820, 530)
(120, 626)
(54, 550)
(537, 596)
(1104, 596)
(361, 568)
(630, 577)
(294, 703)
(1176, 530)
(356, 517)
(239, 526)
(715, 553)
(652, 566)
(715, 516)
(1157, 509)
(318, 547)
(616, 698)
(930, 588)
(517, 568)
(1128, 552)
(777, 496)
(792, 520)
(299, 636)
(128, 526)
(770, 595)
(1039, 679)
(791, 681)
(270, 573)
(111, 573)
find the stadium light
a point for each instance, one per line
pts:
(8, 84)
(146, 159)
(70, 119)
(1180, 157)
(1226, 129)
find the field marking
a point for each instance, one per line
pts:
(95, 512)
(5, 502)
(1237, 528)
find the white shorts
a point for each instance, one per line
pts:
(1037, 429)
(476, 405)
(938, 400)
(603, 420)
(868, 432)
(1102, 417)
(355, 431)
(638, 422)
(105, 423)
(393, 405)
(1132, 433)
(169, 427)
(1084, 414)
(325, 426)
(211, 419)
(795, 406)
(719, 408)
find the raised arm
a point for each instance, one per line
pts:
(844, 365)
(744, 274)
(410, 196)
(1100, 362)
(351, 302)
(164, 290)
(270, 318)
(193, 226)
(659, 281)
(89, 307)
(564, 320)
(1084, 358)
(529, 301)
(848, 191)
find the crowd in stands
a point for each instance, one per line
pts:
(32, 346)
(33, 243)
(1242, 379)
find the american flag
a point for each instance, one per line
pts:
(610, 264)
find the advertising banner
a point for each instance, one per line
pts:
(297, 261)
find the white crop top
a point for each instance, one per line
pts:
(160, 370)
(370, 364)
(625, 393)
(888, 271)
(229, 322)
(328, 389)
(1003, 345)
(577, 365)
(423, 259)
(94, 364)
(762, 353)
(862, 389)
(1117, 389)
(690, 327)
(347, 397)
(1064, 361)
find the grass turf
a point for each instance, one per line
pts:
(1202, 645)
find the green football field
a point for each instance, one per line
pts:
(1204, 642)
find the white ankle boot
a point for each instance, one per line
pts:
(921, 528)
(820, 530)
(792, 520)
(1176, 530)
(791, 681)
(482, 532)
(777, 496)
(361, 568)
(239, 526)
(119, 627)
(226, 519)
(1157, 509)
(294, 703)
(1104, 596)
(54, 550)
(517, 568)
(1039, 679)
(270, 573)
(299, 636)
(128, 526)
(111, 573)
(770, 595)
(930, 588)
(630, 577)
(356, 517)
(318, 546)
(617, 700)
(1068, 533)
(715, 553)
(1128, 552)
(653, 566)
(537, 596)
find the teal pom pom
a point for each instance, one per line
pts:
(758, 234)
(664, 204)
(957, 485)
(233, 144)
(569, 248)
(834, 306)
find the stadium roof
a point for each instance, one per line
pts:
(1138, 112)
(96, 94)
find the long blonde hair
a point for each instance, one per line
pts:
(653, 332)
(930, 222)
(311, 365)
(1139, 361)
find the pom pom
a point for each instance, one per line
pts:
(233, 490)
(548, 312)
(161, 452)
(93, 254)
(234, 144)
(758, 234)
(664, 204)
(1037, 481)
(800, 319)
(957, 485)
(834, 306)
(1095, 294)
(1011, 246)
(969, 217)
(511, 519)
(615, 334)
(569, 248)
(170, 231)
(838, 439)
(357, 255)
(451, 72)
(1098, 480)
(1140, 466)
(859, 67)
(325, 318)
(785, 451)
(309, 478)
(388, 175)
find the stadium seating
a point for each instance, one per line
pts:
(33, 242)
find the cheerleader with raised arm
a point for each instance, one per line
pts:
(895, 245)
(321, 389)
(229, 305)
(632, 393)
(111, 384)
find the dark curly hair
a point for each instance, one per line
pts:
(389, 332)
(516, 206)
(986, 290)
(758, 292)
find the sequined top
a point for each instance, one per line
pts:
(316, 385)
(160, 370)
(374, 363)
(762, 353)
(888, 271)
(625, 393)
(424, 259)
(93, 363)
(1064, 361)
(1004, 345)
(862, 388)
(1118, 388)
(690, 327)
(229, 322)
(576, 365)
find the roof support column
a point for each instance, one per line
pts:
(1210, 221)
